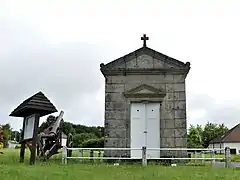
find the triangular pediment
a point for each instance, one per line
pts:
(144, 90)
(144, 58)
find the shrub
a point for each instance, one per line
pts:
(78, 139)
(1, 134)
(93, 143)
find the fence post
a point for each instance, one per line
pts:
(195, 156)
(80, 154)
(144, 156)
(99, 156)
(64, 155)
(227, 157)
(91, 156)
(213, 156)
(203, 156)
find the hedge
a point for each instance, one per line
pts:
(93, 143)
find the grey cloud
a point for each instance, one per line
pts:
(197, 101)
(68, 73)
(216, 112)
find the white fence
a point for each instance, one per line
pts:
(144, 158)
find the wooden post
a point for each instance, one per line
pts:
(195, 156)
(34, 141)
(80, 154)
(91, 155)
(23, 144)
(213, 156)
(64, 155)
(227, 157)
(144, 156)
(22, 152)
(99, 155)
(203, 156)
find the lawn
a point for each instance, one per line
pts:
(11, 169)
(234, 158)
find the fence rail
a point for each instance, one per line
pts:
(161, 149)
(144, 158)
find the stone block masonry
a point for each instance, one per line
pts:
(173, 111)
(165, 78)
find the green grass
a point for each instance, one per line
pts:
(11, 169)
(234, 158)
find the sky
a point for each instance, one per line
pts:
(56, 46)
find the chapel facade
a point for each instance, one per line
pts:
(145, 103)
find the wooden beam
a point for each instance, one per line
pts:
(34, 141)
(22, 150)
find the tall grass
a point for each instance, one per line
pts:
(11, 169)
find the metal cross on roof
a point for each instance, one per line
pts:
(144, 38)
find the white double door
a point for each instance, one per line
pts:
(145, 129)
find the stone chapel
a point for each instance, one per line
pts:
(145, 103)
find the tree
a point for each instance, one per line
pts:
(79, 139)
(194, 137)
(203, 135)
(6, 134)
(67, 128)
(49, 121)
(20, 135)
(94, 143)
(81, 134)
(212, 131)
(1, 135)
(15, 135)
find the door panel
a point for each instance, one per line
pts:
(153, 129)
(137, 128)
(145, 117)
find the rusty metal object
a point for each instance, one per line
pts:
(50, 140)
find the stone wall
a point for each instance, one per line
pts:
(173, 130)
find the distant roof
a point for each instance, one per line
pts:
(36, 103)
(233, 135)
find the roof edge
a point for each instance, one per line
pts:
(224, 136)
(168, 59)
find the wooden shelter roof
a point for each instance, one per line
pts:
(38, 103)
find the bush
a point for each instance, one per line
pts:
(1, 135)
(1, 145)
(93, 143)
(78, 139)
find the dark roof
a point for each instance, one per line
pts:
(149, 51)
(233, 135)
(37, 103)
